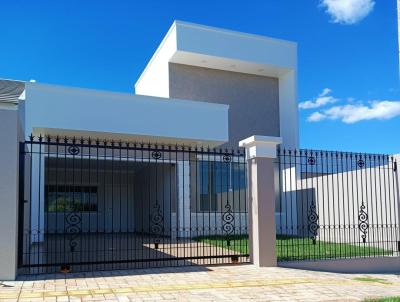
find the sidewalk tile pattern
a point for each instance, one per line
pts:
(200, 283)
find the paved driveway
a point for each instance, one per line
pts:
(99, 249)
(197, 283)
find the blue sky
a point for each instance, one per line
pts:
(348, 54)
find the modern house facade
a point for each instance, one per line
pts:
(219, 66)
(106, 180)
(204, 89)
(193, 63)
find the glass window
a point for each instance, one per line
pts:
(218, 182)
(67, 198)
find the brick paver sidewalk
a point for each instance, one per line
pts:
(196, 283)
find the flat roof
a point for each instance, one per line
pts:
(234, 32)
(217, 48)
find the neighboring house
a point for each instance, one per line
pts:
(203, 87)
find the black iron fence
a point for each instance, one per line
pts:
(93, 205)
(99, 205)
(336, 205)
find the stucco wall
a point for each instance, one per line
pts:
(370, 265)
(253, 99)
(8, 193)
(57, 110)
(338, 198)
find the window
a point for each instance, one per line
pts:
(220, 181)
(208, 202)
(67, 198)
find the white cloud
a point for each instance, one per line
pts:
(316, 117)
(349, 114)
(348, 11)
(325, 92)
(322, 100)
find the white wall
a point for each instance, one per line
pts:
(288, 112)
(245, 47)
(9, 173)
(72, 111)
(368, 265)
(338, 198)
(156, 81)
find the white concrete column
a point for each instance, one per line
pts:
(38, 190)
(260, 155)
(183, 209)
(9, 162)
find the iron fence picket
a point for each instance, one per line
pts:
(336, 205)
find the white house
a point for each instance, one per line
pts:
(195, 68)
(111, 180)
(203, 88)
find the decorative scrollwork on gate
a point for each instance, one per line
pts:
(311, 160)
(157, 220)
(227, 158)
(73, 228)
(360, 163)
(73, 150)
(156, 154)
(363, 222)
(228, 220)
(313, 225)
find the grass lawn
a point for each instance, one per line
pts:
(372, 280)
(294, 248)
(392, 299)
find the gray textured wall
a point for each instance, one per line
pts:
(253, 100)
(9, 153)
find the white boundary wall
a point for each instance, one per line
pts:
(338, 198)
(10, 131)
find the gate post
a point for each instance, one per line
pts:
(396, 159)
(9, 162)
(260, 155)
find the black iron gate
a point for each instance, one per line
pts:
(99, 205)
